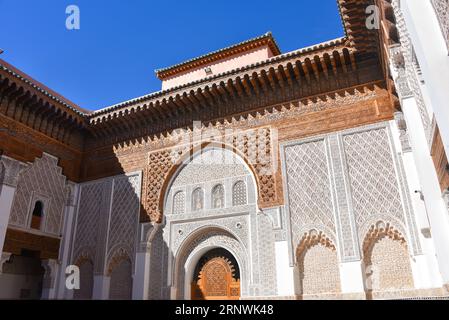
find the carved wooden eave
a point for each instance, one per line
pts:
(29, 102)
(353, 14)
(330, 66)
(292, 76)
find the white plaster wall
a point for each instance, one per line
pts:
(284, 272)
(425, 266)
(426, 181)
(351, 277)
(432, 54)
(218, 67)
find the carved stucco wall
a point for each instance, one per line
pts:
(256, 146)
(309, 191)
(319, 270)
(86, 281)
(341, 183)
(42, 181)
(123, 220)
(121, 281)
(386, 259)
(251, 234)
(107, 222)
(208, 169)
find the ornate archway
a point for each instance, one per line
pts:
(163, 165)
(194, 250)
(216, 277)
(386, 261)
(317, 263)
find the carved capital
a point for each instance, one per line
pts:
(70, 194)
(4, 258)
(50, 266)
(147, 232)
(398, 63)
(10, 170)
(403, 134)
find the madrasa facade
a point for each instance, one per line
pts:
(319, 173)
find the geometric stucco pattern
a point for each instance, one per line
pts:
(124, 219)
(88, 221)
(213, 173)
(255, 146)
(386, 259)
(375, 190)
(442, 11)
(10, 170)
(327, 281)
(351, 178)
(41, 180)
(308, 186)
(107, 221)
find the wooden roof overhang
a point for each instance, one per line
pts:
(33, 104)
(300, 73)
(326, 67)
(287, 77)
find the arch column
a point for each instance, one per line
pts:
(101, 287)
(141, 279)
(351, 278)
(69, 217)
(434, 212)
(3, 259)
(51, 267)
(9, 176)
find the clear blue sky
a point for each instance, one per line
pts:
(113, 56)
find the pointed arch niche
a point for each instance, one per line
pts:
(207, 181)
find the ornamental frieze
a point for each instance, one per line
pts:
(289, 110)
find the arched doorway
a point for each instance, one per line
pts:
(22, 276)
(216, 277)
(86, 280)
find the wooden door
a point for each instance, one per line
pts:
(216, 281)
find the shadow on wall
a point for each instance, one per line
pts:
(111, 234)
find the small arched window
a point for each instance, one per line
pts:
(37, 216)
(197, 199)
(239, 194)
(218, 197)
(179, 202)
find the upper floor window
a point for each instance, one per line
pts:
(37, 216)
(179, 202)
(218, 197)
(197, 199)
(239, 193)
